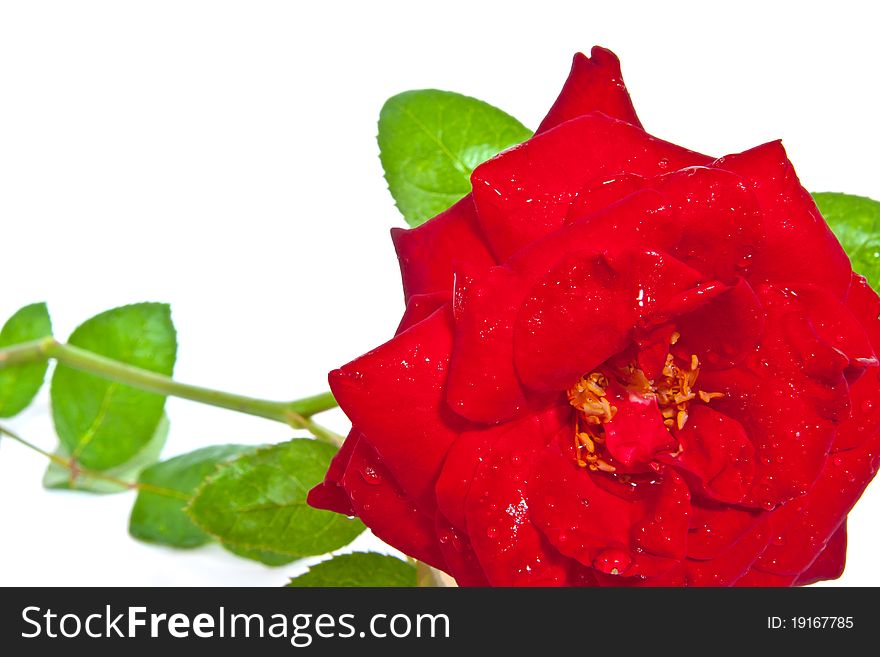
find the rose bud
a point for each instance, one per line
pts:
(621, 363)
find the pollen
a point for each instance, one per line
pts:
(674, 390)
(588, 397)
(709, 396)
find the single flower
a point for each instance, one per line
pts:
(621, 363)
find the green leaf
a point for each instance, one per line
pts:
(59, 478)
(429, 143)
(855, 221)
(102, 423)
(263, 556)
(158, 512)
(359, 569)
(258, 502)
(19, 384)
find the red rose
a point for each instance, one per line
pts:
(621, 363)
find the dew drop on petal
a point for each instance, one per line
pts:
(370, 476)
(612, 561)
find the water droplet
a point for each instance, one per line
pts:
(491, 532)
(370, 476)
(612, 561)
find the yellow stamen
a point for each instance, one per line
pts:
(586, 441)
(681, 419)
(605, 467)
(709, 396)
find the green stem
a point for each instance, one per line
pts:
(426, 576)
(77, 470)
(296, 414)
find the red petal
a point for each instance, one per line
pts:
(525, 192)
(864, 420)
(597, 195)
(797, 246)
(758, 578)
(381, 504)
(638, 530)
(461, 560)
(421, 306)
(721, 218)
(584, 310)
(653, 348)
(511, 550)
(716, 528)
(594, 84)
(830, 562)
(483, 385)
(462, 460)
(840, 484)
(330, 494)
(427, 254)
(730, 566)
(788, 395)
(835, 323)
(724, 331)
(717, 458)
(636, 433)
(395, 396)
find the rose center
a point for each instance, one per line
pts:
(674, 389)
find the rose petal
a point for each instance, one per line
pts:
(797, 247)
(636, 433)
(594, 84)
(421, 306)
(483, 385)
(636, 530)
(395, 396)
(724, 331)
(461, 560)
(721, 217)
(788, 396)
(840, 484)
(864, 419)
(830, 562)
(511, 550)
(330, 494)
(730, 566)
(428, 254)
(585, 309)
(380, 503)
(717, 458)
(462, 460)
(836, 325)
(716, 528)
(525, 192)
(758, 578)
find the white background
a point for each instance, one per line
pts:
(221, 156)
